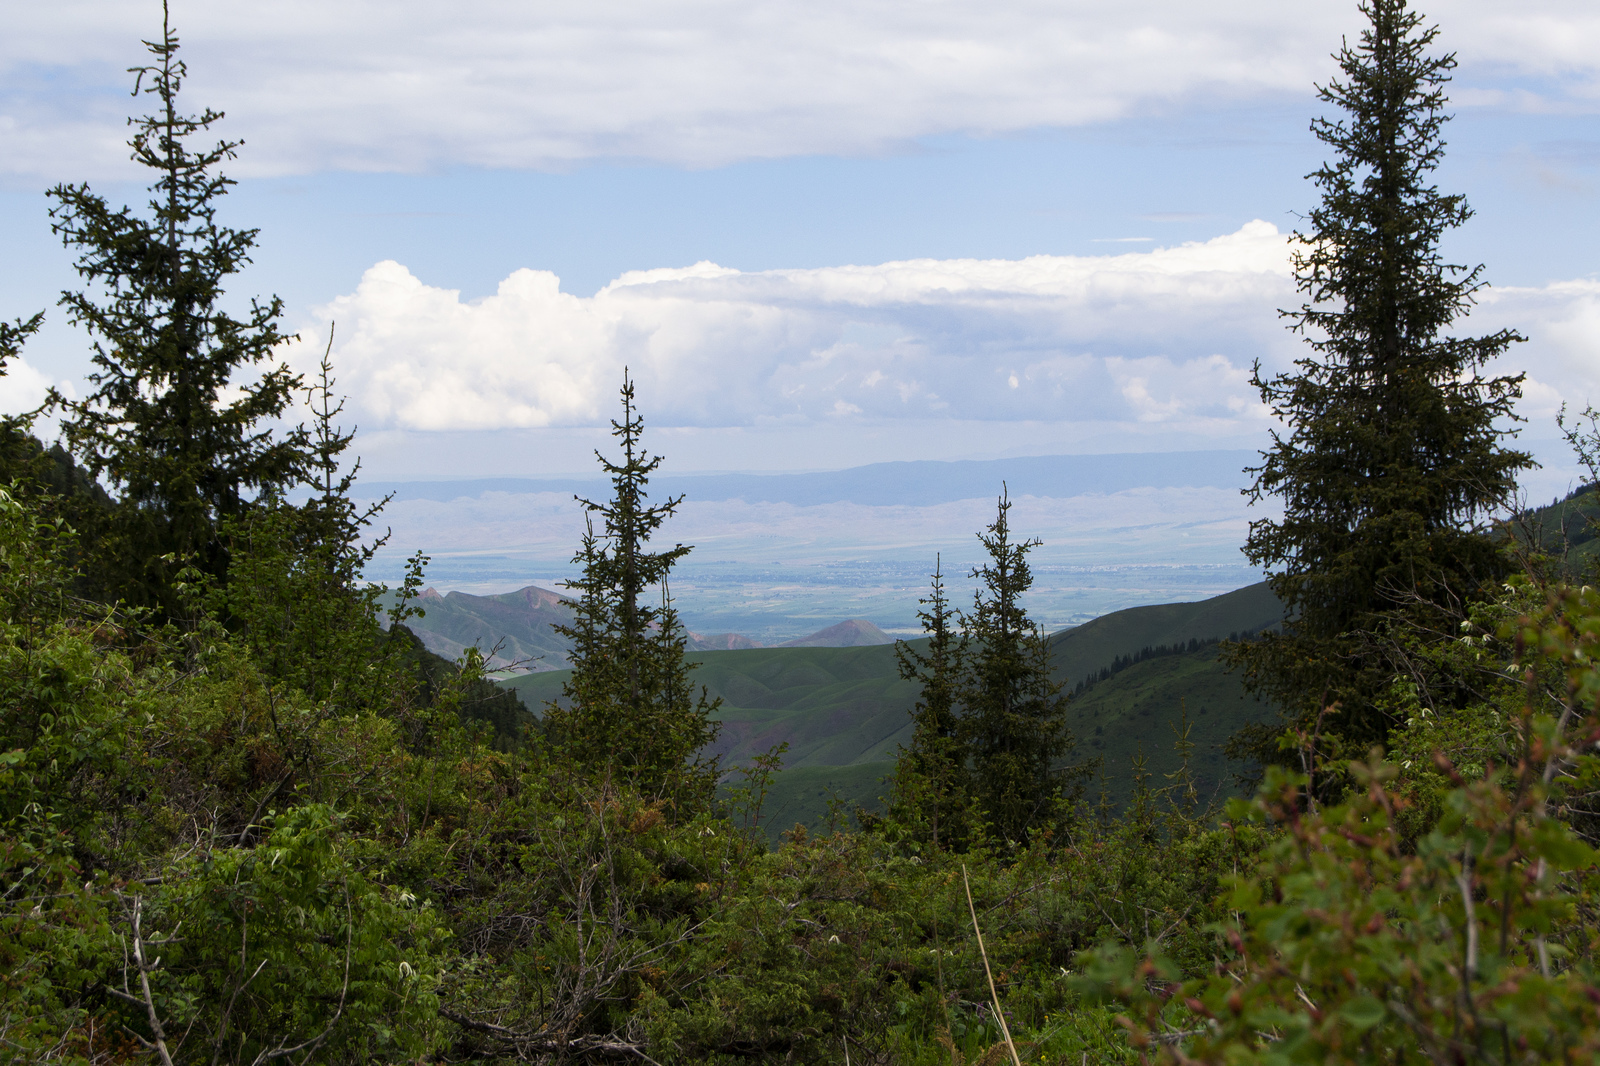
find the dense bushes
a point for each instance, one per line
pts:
(372, 879)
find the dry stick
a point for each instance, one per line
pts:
(160, 1044)
(998, 1013)
(1541, 869)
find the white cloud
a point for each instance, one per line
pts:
(1157, 342)
(408, 84)
(1152, 337)
(24, 387)
(1562, 323)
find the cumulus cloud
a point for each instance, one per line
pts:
(407, 84)
(1162, 339)
(1562, 323)
(1164, 336)
(24, 387)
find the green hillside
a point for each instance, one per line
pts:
(844, 712)
(1139, 711)
(803, 795)
(1566, 527)
(834, 706)
(1088, 648)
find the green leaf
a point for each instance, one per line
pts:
(1363, 1012)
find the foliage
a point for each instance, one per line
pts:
(280, 949)
(932, 781)
(1358, 941)
(1393, 454)
(1012, 712)
(169, 423)
(630, 711)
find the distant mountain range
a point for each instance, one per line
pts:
(514, 630)
(910, 484)
(851, 633)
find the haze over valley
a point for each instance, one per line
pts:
(777, 556)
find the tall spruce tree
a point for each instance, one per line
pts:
(1393, 457)
(932, 790)
(1013, 715)
(170, 423)
(629, 711)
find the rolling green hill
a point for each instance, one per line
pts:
(834, 706)
(844, 712)
(1140, 710)
(1567, 528)
(1086, 649)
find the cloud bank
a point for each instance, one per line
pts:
(1162, 340)
(408, 85)
(1159, 337)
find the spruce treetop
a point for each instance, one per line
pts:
(631, 713)
(167, 423)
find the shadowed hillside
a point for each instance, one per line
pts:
(833, 706)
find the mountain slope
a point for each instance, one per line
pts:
(851, 633)
(833, 706)
(518, 621)
(848, 706)
(1085, 649)
(1141, 712)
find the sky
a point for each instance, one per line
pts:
(818, 234)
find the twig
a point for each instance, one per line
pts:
(545, 1041)
(160, 1044)
(998, 1013)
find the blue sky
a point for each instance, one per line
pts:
(1036, 170)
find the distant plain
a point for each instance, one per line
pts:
(779, 556)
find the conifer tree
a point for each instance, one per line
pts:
(630, 710)
(18, 449)
(170, 423)
(27, 467)
(295, 594)
(13, 335)
(932, 788)
(1392, 457)
(1013, 715)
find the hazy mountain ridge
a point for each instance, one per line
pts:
(915, 483)
(520, 625)
(851, 633)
